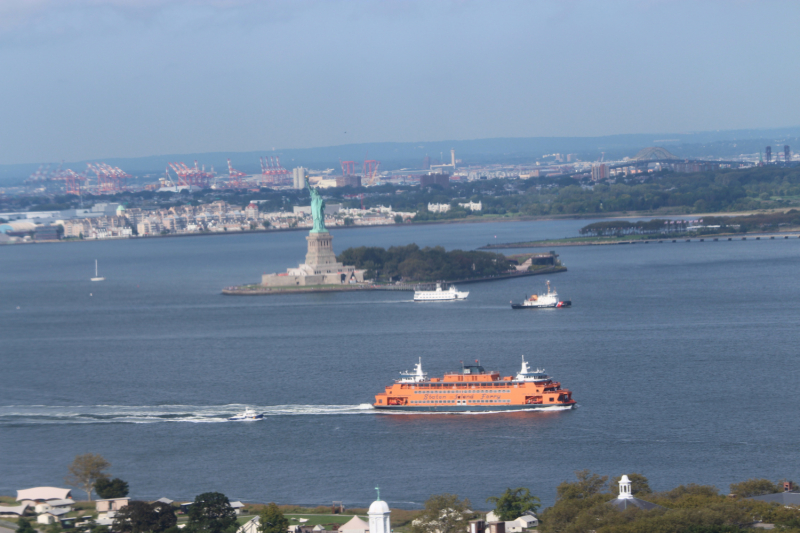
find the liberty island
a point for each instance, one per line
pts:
(321, 266)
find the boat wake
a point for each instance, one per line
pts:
(151, 414)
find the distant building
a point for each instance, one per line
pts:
(768, 154)
(426, 162)
(787, 153)
(600, 172)
(348, 181)
(48, 232)
(299, 178)
(251, 212)
(472, 206)
(442, 180)
(438, 208)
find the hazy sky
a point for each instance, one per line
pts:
(104, 78)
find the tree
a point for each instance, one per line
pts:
(443, 513)
(85, 470)
(513, 503)
(25, 527)
(639, 485)
(754, 487)
(111, 488)
(398, 219)
(588, 484)
(211, 512)
(266, 224)
(271, 520)
(143, 517)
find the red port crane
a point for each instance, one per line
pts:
(235, 178)
(370, 172)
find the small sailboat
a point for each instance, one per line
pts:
(96, 275)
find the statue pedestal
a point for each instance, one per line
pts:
(320, 268)
(320, 254)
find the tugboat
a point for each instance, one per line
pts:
(474, 390)
(547, 299)
(247, 415)
(439, 295)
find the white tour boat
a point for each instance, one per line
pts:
(440, 295)
(547, 299)
(247, 414)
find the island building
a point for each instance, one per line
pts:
(626, 499)
(321, 266)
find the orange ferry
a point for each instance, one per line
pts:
(474, 389)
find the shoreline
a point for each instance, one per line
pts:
(775, 235)
(484, 219)
(258, 290)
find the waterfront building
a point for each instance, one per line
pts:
(438, 208)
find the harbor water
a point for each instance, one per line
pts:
(683, 358)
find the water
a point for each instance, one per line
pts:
(682, 358)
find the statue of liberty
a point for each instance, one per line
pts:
(317, 210)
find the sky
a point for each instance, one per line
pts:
(91, 79)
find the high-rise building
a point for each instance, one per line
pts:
(787, 153)
(768, 154)
(426, 163)
(600, 172)
(299, 178)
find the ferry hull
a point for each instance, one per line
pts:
(473, 408)
(559, 305)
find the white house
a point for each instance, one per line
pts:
(51, 517)
(526, 521)
(237, 507)
(521, 524)
(110, 504)
(54, 504)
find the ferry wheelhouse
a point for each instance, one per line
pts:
(474, 389)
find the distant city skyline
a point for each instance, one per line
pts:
(124, 78)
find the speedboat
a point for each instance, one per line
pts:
(246, 415)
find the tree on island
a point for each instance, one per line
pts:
(271, 520)
(85, 470)
(111, 488)
(211, 512)
(143, 517)
(443, 513)
(757, 487)
(588, 485)
(513, 503)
